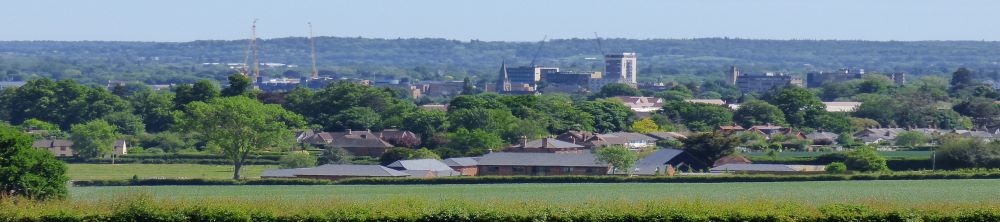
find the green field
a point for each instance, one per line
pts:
(896, 192)
(125, 171)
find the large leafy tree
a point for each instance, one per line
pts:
(26, 171)
(798, 104)
(93, 139)
(758, 112)
(644, 126)
(240, 125)
(426, 123)
(698, 116)
(64, 103)
(126, 123)
(356, 118)
(619, 157)
(608, 115)
(321, 107)
(238, 85)
(202, 90)
(617, 89)
(711, 146)
(155, 110)
(474, 142)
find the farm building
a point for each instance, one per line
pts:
(467, 166)
(424, 168)
(58, 148)
(665, 161)
(540, 164)
(769, 169)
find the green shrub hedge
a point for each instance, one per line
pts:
(177, 158)
(894, 163)
(967, 174)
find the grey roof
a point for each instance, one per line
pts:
(337, 170)
(665, 135)
(51, 143)
(353, 139)
(421, 164)
(752, 167)
(540, 159)
(550, 143)
(647, 165)
(633, 136)
(822, 135)
(461, 161)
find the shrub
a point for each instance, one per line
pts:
(970, 153)
(866, 160)
(836, 167)
(297, 160)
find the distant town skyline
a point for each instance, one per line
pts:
(515, 20)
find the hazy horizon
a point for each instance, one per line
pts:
(517, 21)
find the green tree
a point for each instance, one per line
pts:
(239, 85)
(36, 124)
(334, 155)
(709, 147)
(126, 123)
(617, 89)
(319, 106)
(474, 142)
(644, 126)
(866, 159)
(967, 153)
(961, 78)
(155, 109)
(63, 103)
(396, 154)
(698, 116)
(758, 112)
(836, 168)
(356, 118)
(240, 125)
(910, 139)
(845, 139)
(300, 159)
(29, 172)
(608, 115)
(93, 139)
(202, 90)
(620, 157)
(424, 153)
(799, 105)
(426, 123)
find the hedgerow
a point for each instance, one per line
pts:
(928, 175)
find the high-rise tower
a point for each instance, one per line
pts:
(621, 66)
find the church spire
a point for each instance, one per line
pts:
(503, 82)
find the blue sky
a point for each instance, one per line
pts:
(512, 20)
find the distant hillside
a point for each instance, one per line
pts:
(435, 58)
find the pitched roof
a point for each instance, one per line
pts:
(841, 106)
(419, 164)
(822, 135)
(752, 167)
(461, 161)
(540, 159)
(666, 135)
(632, 136)
(353, 139)
(51, 143)
(731, 160)
(549, 144)
(647, 165)
(706, 101)
(337, 170)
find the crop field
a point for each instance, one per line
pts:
(818, 192)
(126, 171)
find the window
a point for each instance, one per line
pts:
(567, 169)
(517, 169)
(62, 148)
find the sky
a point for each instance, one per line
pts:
(510, 20)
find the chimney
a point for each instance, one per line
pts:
(349, 131)
(545, 142)
(524, 141)
(489, 150)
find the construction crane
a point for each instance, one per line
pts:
(599, 46)
(246, 59)
(535, 57)
(312, 46)
(253, 49)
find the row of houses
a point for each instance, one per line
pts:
(645, 105)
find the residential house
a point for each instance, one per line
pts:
(59, 148)
(666, 136)
(976, 134)
(120, 148)
(632, 141)
(770, 131)
(399, 138)
(434, 168)
(576, 137)
(335, 172)
(467, 166)
(540, 164)
(707, 101)
(731, 129)
(841, 106)
(547, 145)
(878, 135)
(822, 138)
(359, 143)
(642, 104)
(665, 162)
(769, 169)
